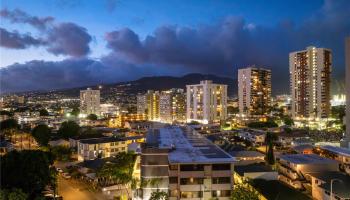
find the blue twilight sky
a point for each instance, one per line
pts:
(77, 42)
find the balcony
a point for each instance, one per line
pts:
(189, 174)
(221, 173)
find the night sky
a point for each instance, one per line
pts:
(66, 43)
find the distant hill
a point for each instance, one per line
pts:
(155, 83)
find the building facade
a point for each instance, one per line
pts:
(206, 102)
(172, 106)
(149, 104)
(254, 91)
(184, 164)
(310, 77)
(346, 141)
(90, 149)
(90, 101)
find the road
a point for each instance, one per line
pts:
(75, 190)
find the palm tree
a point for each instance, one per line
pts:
(270, 138)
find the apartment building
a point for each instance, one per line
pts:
(172, 106)
(346, 141)
(90, 101)
(206, 102)
(310, 77)
(293, 168)
(184, 164)
(90, 149)
(254, 91)
(120, 120)
(149, 104)
(342, 155)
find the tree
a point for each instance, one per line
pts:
(75, 111)
(61, 153)
(288, 121)
(119, 171)
(244, 192)
(42, 133)
(68, 129)
(5, 112)
(28, 170)
(270, 138)
(159, 195)
(43, 112)
(92, 117)
(232, 110)
(9, 127)
(13, 194)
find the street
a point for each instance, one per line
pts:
(75, 190)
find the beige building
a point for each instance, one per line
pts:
(149, 104)
(184, 164)
(172, 106)
(90, 149)
(254, 91)
(90, 101)
(206, 102)
(310, 77)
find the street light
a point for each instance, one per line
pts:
(332, 180)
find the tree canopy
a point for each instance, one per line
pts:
(68, 129)
(268, 124)
(42, 134)
(43, 112)
(244, 192)
(92, 117)
(9, 124)
(28, 170)
(159, 195)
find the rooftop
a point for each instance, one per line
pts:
(187, 146)
(246, 154)
(337, 150)
(307, 159)
(101, 140)
(340, 188)
(241, 169)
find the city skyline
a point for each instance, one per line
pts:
(39, 39)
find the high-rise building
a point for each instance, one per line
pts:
(172, 106)
(206, 102)
(346, 142)
(254, 91)
(149, 104)
(184, 164)
(90, 101)
(310, 76)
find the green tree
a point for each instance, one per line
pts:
(92, 117)
(5, 112)
(68, 129)
(17, 194)
(28, 170)
(270, 138)
(75, 111)
(43, 112)
(9, 127)
(61, 153)
(244, 192)
(42, 134)
(119, 171)
(288, 121)
(159, 195)
(232, 110)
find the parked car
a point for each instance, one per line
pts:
(66, 175)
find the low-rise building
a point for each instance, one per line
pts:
(248, 157)
(120, 120)
(321, 184)
(293, 168)
(257, 137)
(342, 155)
(89, 149)
(184, 164)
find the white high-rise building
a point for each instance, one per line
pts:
(254, 91)
(310, 76)
(206, 102)
(90, 101)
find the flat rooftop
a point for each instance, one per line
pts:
(337, 150)
(187, 146)
(101, 140)
(307, 159)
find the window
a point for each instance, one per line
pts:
(221, 167)
(192, 168)
(192, 194)
(221, 193)
(173, 167)
(173, 179)
(221, 180)
(191, 181)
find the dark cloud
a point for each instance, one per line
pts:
(234, 43)
(69, 39)
(18, 16)
(60, 38)
(14, 40)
